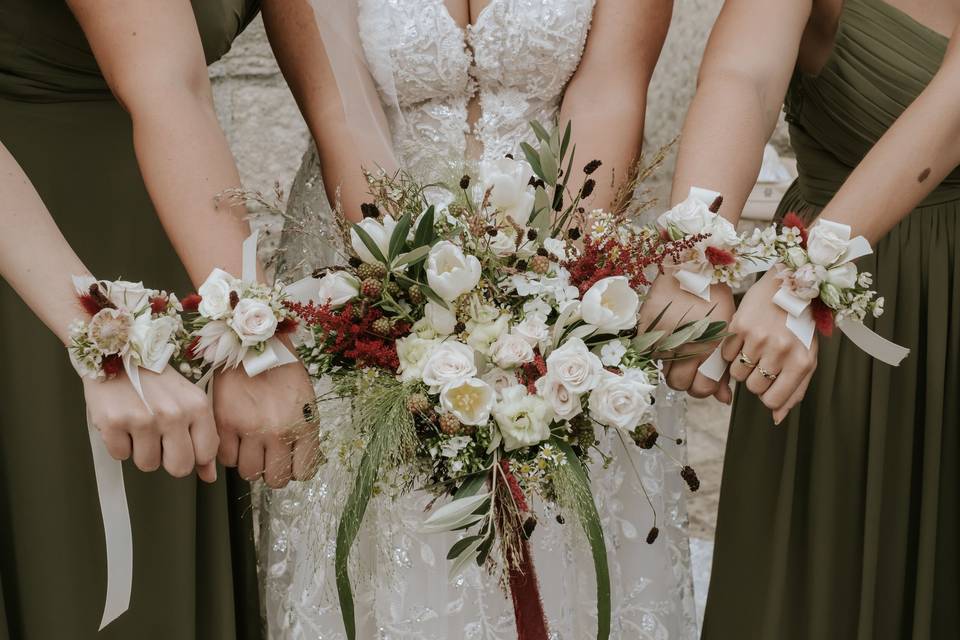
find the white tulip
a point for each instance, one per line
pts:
(337, 288)
(574, 366)
(509, 184)
(611, 305)
(379, 232)
(524, 420)
(450, 273)
(448, 362)
(469, 399)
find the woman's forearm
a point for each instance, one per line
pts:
(27, 231)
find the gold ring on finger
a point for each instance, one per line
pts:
(766, 374)
(745, 361)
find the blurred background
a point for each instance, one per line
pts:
(268, 138)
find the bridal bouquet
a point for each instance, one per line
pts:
(482, 333)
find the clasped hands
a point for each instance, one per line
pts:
(255, 424)
(761, 352)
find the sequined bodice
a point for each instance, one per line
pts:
(516, 61)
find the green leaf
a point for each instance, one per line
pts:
(433, 297)
(541, 203)
(484, 549)
(455, 513)
(533, 158)
(566, 140)
(548, 164)
(398, 239)
(645, 341)
(461, 545)
(539, 131)
(465, 558)
(653, 324)
(471, 485)
(370, 244)
(555, 142)
(412, 257)
(425, 234)
(684, 335)
(590, 521)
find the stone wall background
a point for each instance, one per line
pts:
(268, 136)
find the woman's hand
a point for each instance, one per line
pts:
(681, 307)
(264, 427)
(764, 354)
(179, 433)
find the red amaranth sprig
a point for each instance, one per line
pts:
(514, 486)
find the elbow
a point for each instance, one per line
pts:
(171, 88)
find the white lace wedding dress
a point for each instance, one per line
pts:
(516, 61)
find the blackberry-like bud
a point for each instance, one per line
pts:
(464, 182)
(492, 231)
(521, 265)
(418, 404)
(573, 233)
(382, 326)
(355, 262)
(509, 156)
(652, 536)
(645, 436)
(449, 424)
(365, 271)
(588, 188)
(690, 477)
(540, 264)
(379, 271)
(679, 441)
(234, 299)
(543, 252)
(528, 527)
(592, 166)
(369, 210)
(539, 183)
(558, 203)
(717, 203)
(581, 210)
(560, 519)
(371, 288)
(531, 234)
(394, 290)
(415, 293)
(459, 327)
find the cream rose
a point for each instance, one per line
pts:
(379, 232)
(253, 321)
(448, 362)
(152, 340)
(574, 366)
(611, 305)
(510, 351)
(499, 379)
(413, 351)
(524, 420)
(509, 184)
(843, 277)
(337, 288)
(481, 336)
(827, 242)
(564, 402)
(805, 281)
(533, 329)
(128, 295)
(690, 217)
(215, 294)
(621, 401)
(469, 399)
(450, 273)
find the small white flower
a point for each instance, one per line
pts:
(413, 351)
(505, 242)
(557, 248)
(448, 362)
(215, 294)
(564, 402)
(450, 273)
(574, 366)
(379, 232)
(878, 307)
(509, 184)
(442, 320)
(533, 328)
(611, 305)
(452, 447)
(612, 353)
(254, 321)
(510, 351)
(621, 401)
(337, 288)
(864, 280)
(469, 399)
(524, 420)
(830, 295)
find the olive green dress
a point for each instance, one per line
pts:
(843, 522)
(193, 566)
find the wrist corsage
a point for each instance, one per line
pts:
(719, 254)
(822, 288)
(235, 320)
(130, 327)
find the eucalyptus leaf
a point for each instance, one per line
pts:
(533, 158)
(453, 514)
(471, 485)
(467, 556)
(411, 257)
(539, 131)
(548, 164)
(555, 142)
(684, 335)
(564, 145)
(461, 545)
(645, 341)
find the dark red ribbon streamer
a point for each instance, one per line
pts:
(527, 604)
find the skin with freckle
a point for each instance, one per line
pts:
(924, 175)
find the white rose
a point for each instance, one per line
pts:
(152, 340)
(621, 401)
(509, 182)
(827, 242)
(722, 233)
(379, 232)
(511, 351)
(524, 420)
(564, 402)
(805, 281)
(337, 288)
(128, 295)
(448, 362)
(481, 336)
(843, 277)
(413, 351)
(253, 321)
(441, 320)
(533, 329)
(469, 399)
(690, 217)
(574, 366)
(612, 353)
(796, 257)
(215, 294)
(611, 305)
(499, 379)
(450, 273)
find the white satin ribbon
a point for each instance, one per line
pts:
(697, 282)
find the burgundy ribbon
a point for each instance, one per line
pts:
(525, 590)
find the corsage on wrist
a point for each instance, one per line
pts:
(719, 255)
(822, 288)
